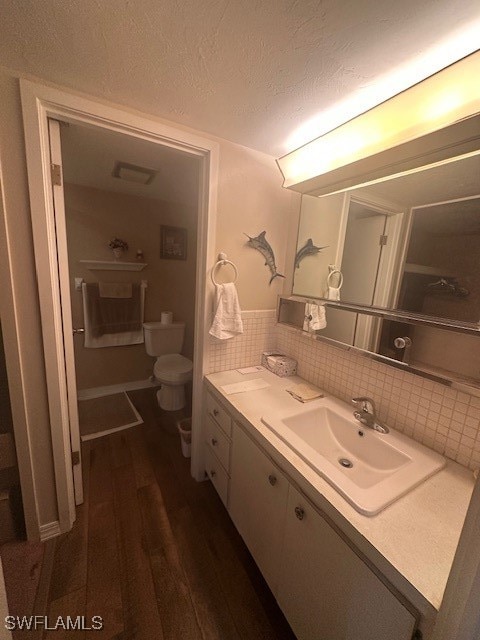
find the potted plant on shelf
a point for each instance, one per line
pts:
(118, 246)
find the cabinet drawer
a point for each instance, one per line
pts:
(218, 441)
(218, 413)
(217, 474)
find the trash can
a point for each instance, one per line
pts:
(184, 427)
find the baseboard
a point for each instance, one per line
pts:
(97, 392)
(50, 530)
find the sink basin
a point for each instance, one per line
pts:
(370, 469)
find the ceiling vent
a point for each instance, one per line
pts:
(133, 173)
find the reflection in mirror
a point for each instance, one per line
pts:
(436, 352)
(411, 242)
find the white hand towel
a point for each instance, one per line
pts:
(315, 317)
(227, 322)
(333, 293)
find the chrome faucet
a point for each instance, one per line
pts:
(366, 414)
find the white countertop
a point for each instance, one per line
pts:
(417, 535)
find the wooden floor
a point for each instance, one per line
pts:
(153, 552)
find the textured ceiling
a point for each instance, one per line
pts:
(249, 71)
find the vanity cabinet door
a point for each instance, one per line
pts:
(326, 591)
(257, 503)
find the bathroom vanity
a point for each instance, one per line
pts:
(335, 573)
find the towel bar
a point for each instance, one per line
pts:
(80, 281)
(222, 261)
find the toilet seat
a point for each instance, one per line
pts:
(173, 368)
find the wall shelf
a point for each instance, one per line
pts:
(113, 265)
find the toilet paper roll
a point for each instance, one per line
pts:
(166, 317)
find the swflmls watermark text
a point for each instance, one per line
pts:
(68, 623)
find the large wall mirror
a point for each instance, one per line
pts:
(397, 263)
(410, 243)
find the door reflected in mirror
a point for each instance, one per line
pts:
(409, 243)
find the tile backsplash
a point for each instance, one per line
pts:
(246, 349)
(436, 415)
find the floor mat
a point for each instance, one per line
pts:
(100, 416)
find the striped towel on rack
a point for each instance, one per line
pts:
(112, 321)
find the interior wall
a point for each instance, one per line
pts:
(459, 256)
(94, 217)
(321, 220)
(21, 318)
(250, 199)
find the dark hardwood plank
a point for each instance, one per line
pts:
(142, 618)
(70, 565)
(144, 473)
(208, 597)
(100, 471)
(72, 604)
(173, 494)
(171, 584)
(120, 450)
(104, 597)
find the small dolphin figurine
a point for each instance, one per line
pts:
(308, 249)
(260, 243)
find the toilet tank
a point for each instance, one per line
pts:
(162, 339)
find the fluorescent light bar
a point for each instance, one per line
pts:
(441, 100)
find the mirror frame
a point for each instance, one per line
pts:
(439, 323)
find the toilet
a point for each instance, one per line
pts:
(171, 369)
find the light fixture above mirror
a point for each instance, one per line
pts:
(428, 123)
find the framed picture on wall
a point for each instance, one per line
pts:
(173, 243)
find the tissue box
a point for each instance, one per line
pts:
(279, 364)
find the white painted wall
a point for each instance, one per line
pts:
(20, 316)
(321, 220)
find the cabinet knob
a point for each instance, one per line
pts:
(214, 442)
(213, 473)
(300, 513)
(215, 412)
(272, 479)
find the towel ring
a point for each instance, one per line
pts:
(222, 261)
(332, 273)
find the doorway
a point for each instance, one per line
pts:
(40, 104)
(121, 190)
(368, 259)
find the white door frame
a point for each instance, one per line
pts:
(39, 103)
(58, 195)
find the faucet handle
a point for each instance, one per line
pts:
(364, 401)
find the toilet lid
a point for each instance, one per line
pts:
(173, 363)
